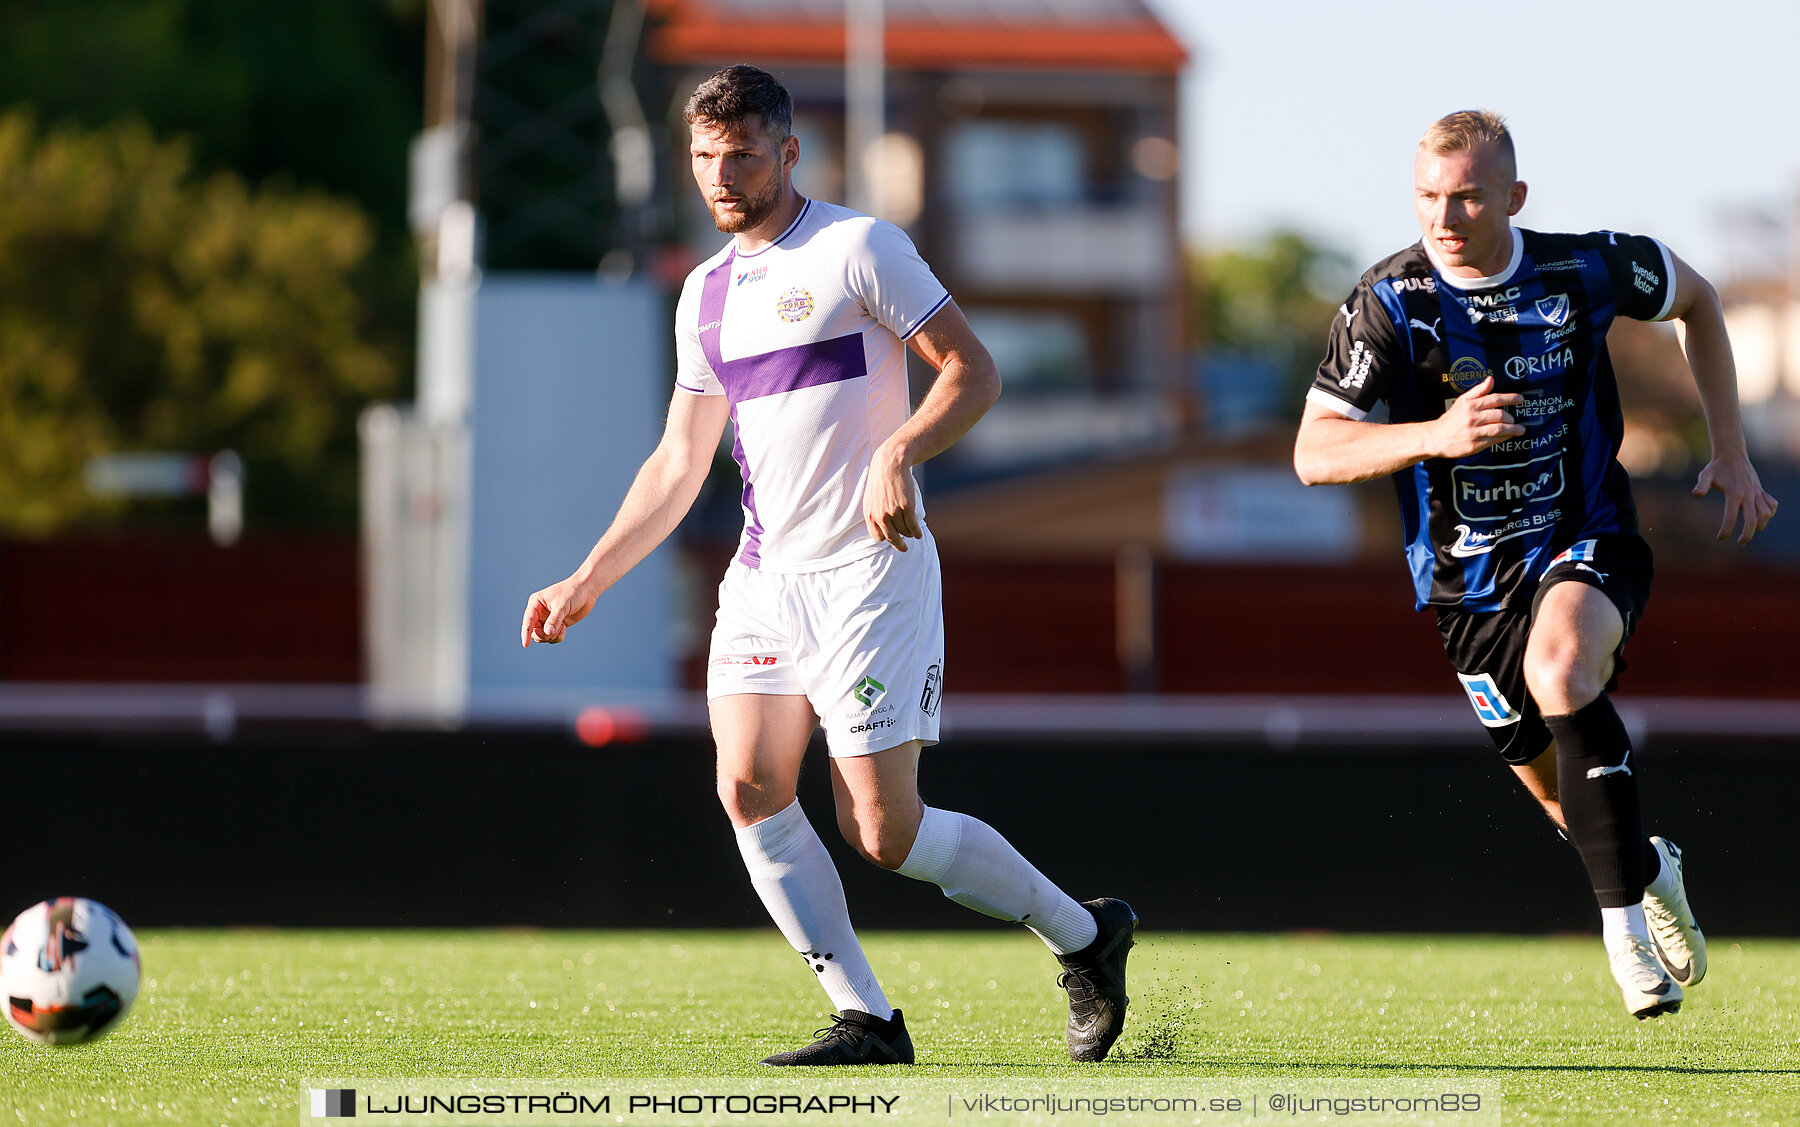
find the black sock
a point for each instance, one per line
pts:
(1599, 797)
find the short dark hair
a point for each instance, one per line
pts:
(737, 92)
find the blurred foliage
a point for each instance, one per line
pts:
(144, 307)
(1272, 301)
(121, 339)
(324, 94)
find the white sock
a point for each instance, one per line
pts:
(979, 869)
(1617, 923)
(1663, 882)
(800, 887)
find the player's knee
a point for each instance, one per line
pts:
(1560, 679)
(747, 802)
(880, 840)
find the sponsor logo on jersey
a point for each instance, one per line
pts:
(795, 305)
(1432, 328)
(1485, 494)
(754, 659)
(1466, 372)
(934, 691)
(1527, 442)
(1553, 336)
(1644, 278)
(1361, 360)
(1470, 543)
(1554, 309)
(1495, 306)
(867, 690)
(1537, 405)
(1523, 367)
(1491, 708)
(1401, 285)
(755, 275)
(709, 327)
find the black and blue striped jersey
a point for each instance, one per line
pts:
(1481, 530)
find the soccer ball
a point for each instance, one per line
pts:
(68, 971)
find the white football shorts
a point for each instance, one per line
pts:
(864, 643)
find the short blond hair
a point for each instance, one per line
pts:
(1466, 129)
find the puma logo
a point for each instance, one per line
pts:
(1624, 768)
(1348, 312)
(1431, 328)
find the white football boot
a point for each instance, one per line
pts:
(1680, 946)
(1649, 991)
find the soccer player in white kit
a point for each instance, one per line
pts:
(797, 332)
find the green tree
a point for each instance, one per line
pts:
(1272, 301)
(325, 94)
(143, 307)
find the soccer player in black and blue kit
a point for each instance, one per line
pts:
(1487, 346)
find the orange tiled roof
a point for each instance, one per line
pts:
(922, 34)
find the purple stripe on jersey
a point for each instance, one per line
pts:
(753, 529)
(771, 373)
(789, 369)
(712, 311)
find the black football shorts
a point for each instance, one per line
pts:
(1488, 647)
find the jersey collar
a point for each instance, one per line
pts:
(805, 207)
(1456, 282)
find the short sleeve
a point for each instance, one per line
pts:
(1643, 274)
(693, 373)
(1363, 357)
(892, 282)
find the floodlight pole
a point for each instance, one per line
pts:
(865, 100)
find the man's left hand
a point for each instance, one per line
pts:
(1735, 477)
(891, 502)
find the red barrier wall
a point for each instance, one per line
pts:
(176, 609)
(289, 610)
(1018, 627)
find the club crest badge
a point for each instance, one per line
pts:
(1554, 309)
(795, 305)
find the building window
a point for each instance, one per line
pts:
(1034, 351)
(997, 164)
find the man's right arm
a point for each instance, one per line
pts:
(1332, 448)
(661, 494)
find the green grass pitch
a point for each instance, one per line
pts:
(229, 1023)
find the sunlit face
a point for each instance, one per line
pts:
(1465, 202)
(742, 172)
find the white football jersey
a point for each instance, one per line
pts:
(805, 337)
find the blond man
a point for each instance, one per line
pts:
(1485, 344)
